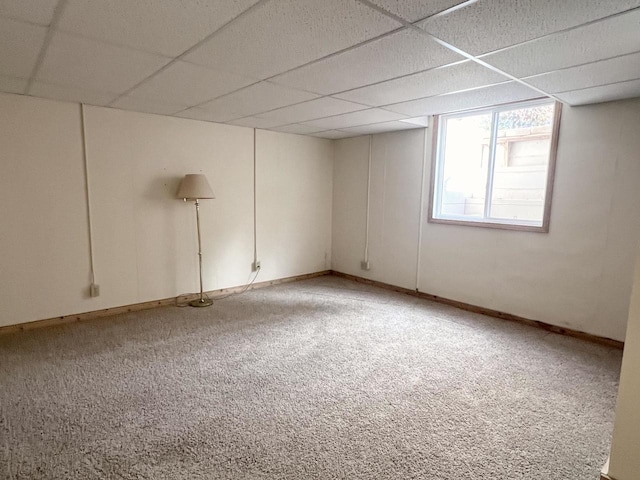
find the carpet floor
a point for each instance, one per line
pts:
(320, 379)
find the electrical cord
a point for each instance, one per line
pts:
(246, 287)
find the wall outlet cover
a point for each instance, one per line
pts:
(255, 266)
(94, 290)
(365, 265)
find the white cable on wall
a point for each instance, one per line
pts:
(87, 194)
(366, 235)
(255, 273)
(421, 219)
(255, 210)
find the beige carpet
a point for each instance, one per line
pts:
(322, 379)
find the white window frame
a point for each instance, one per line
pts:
(437, 164)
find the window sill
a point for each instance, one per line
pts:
(495, 225)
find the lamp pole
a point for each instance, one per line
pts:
(194, 186)
(201, 302)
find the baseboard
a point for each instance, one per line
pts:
(61, 320)
(65, 319)
(488, 311)
(604, 475)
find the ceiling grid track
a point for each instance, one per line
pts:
(457, 50)
(191, 49)
(338, 66)
(57, 14)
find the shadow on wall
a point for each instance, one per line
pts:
(160, 195)
(162, 188)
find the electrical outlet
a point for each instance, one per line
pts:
(255, 266)
(365, 265)
(94, 290)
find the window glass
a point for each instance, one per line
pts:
(521, 163)
(466, 155)
(493, 166)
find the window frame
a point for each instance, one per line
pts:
(436, 169)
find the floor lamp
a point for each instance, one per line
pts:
(194, 186)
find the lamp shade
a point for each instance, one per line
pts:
(195, 186)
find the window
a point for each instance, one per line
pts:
(494, 167)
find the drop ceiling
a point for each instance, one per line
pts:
(327, 68)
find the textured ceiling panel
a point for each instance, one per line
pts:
(380, 128)
(255, 99)
(158, 26)
(433, 82)
(603, 93)
(420, 121)
(398, 54)
(608, 38)
(12, 84)
(298, 129)
(79, 62)
(186, 84)
(146, 106)
(196, 113)
(280, 35)
(20, 44)
(35, 11)
(618, 69)
(118, 52)
(321, 107)
(482, 97)
(413, 10)
(333, 134)
(71, 94)
(362, 117)
(256, 122)
(488, 25)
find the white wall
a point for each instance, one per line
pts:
(144, 239)
(625, 461)
(577, 276)
(396, 177)
(44, 266)
(294, 204)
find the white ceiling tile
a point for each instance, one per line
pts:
(280, 35)
(146, 106)
(196, 113)
(186, 84)
(489, 25)
(20, 44)
(433, 82)
(71, 94)
(321, 107)
(413, 10)
(394, 55)
(598, 41)
(333, 134)
(79, 62)
(604, 93)
(421, 121)
(255, 122)
(12, 84)
(362, 117)
(482, 97)
(380, 128)
(158, 26)
(298, 129)
(35, 11)
(255, 99)
(613, 70)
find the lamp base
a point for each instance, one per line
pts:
(205, 302)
